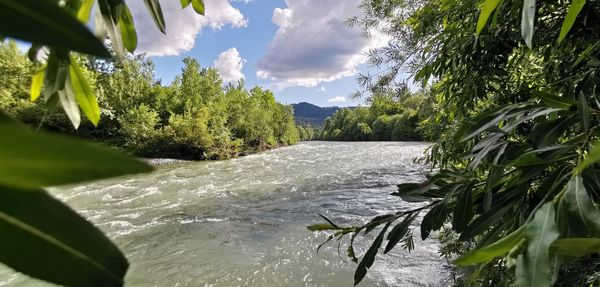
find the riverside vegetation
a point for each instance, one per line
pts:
(392, 115)
(195, 117)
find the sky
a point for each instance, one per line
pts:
(302, 50)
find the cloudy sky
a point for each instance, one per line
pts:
(300, 49)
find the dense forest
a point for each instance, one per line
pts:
(197, 116)
(398, 115)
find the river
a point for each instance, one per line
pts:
(242, 222)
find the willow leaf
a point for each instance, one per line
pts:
(22, 19)
(584, 111)
(127, 29)
(83, 93)
(572, 14)
(157, 15)
(83, 15)
(496, 249)
(37, 81)
(554, 101)
(527, 21)
(321, 226)
(483, 222)
(463, 210)
(369, 258)
(533, 267)
(583, 215)
(584, 54)
(486, 10)
(198, 6)
(44, 238)
(111, 13)
(55, 75)
(399, 232)
(69, 105)
(575, 247)
(592, 157)
(58, 159)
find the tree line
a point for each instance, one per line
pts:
(196, 116)
(392, 115)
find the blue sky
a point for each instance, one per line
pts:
(300, 49)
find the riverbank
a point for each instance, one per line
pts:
(158, 161)
(164, 161)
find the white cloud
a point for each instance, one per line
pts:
(182, 25)
(230, 64)
(337, 100)
(282, 17)
(313, 43)
(322, 89)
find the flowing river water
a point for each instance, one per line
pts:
(242, 222)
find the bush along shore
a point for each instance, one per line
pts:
(195, 117)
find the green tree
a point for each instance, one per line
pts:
(16, 72)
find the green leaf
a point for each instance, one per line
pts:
(198, 6)
(321, 226)
(22, 19)
(83, 93)
(434, 219)
(111, 14)
(127, 28)
(583, 216)
(496, 249)
(554, 101)
(369, 258)
(572, 14)
(488, 7)
(585, 54)
(482, 123)
(44, 238)
(575, 247)
(584, 111)
(546, 133)
(157, 15)
(350, 253)
(37, 81)
(493, 179)
(399, 231)
(29, 159)
(185, 3)
(329, 221)
(533, 267)
(463, 210)
(592, 157)
(483, 222)
(527, 21)
(55, 75)
(69, 104)
(414, 192)
(83, 15)
(376, 221)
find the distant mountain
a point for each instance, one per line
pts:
(307, 114)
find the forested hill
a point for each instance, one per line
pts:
(307, 114)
